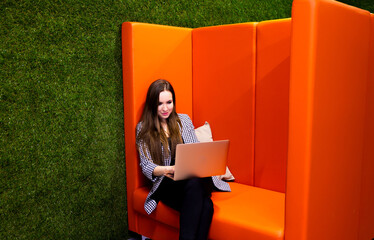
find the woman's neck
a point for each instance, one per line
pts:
(165, 127)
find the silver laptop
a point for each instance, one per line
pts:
(203, 159)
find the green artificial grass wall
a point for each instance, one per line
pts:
(62, 166)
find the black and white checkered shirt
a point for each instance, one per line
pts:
(147, 166)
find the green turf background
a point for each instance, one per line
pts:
(62, 170)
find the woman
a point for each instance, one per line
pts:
(158, 133)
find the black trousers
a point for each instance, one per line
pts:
(192, 198)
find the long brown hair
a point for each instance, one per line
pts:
(152, 134)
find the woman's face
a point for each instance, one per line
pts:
(165, 105)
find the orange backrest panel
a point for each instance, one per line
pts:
(329, 67)
(151, 52)
(223, 90)
(272, 83)
(367, 191)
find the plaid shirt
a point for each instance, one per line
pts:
(147, 166)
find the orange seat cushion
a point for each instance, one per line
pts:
(246, 212)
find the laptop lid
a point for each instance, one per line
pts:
(203, 159)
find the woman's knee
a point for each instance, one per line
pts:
(194, 184)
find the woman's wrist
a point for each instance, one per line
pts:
(159, 171)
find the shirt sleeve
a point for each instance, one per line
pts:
(188, 129)
(146, 162)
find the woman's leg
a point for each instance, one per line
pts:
(170, 193)
(196, 212)
(192, 199)
(205, 219)
(191, 209)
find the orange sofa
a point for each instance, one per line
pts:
(296, 99)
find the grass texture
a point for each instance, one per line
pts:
(62, 166)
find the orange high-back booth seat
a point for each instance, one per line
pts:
(300, 112)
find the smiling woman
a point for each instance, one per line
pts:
(160, 122)
(191, 197)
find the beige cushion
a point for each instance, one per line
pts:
(204, 134)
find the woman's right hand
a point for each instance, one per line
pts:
(163, 170)
(169, 170)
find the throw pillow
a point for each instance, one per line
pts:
(204, 134)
